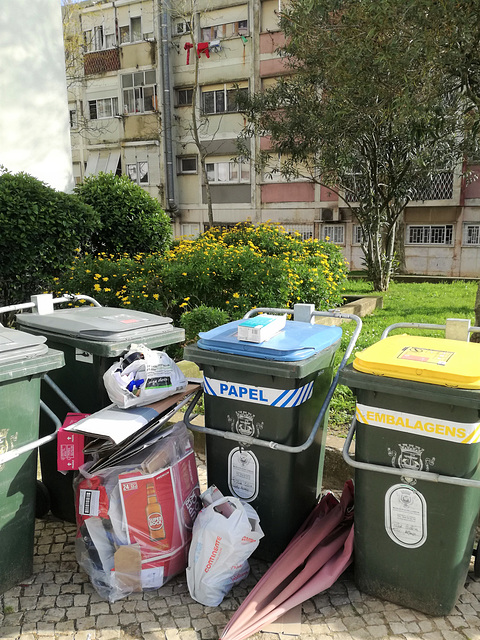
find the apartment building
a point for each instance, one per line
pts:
(131, 113)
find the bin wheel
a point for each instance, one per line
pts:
(476, 564)
(42, 500)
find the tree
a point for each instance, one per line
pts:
(200, 124)
(364, 111)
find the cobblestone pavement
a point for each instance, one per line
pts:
(58, 602)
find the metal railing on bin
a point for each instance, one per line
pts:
(302, 313)
(43, 303)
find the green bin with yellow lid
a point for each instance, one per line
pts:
(417, 468)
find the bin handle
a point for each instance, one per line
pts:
(11, 455)
(68, 297)
(395, 471)
(420, 325)
(249, 440)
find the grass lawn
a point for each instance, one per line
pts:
(430, 303)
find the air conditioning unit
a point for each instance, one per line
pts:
(325, 215)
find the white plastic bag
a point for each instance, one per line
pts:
(143, 376)
(220, 548)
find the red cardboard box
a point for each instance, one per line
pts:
(70, 445)
(159, 509)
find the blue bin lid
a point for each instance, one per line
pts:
(297, 341)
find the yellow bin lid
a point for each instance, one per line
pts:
(451, 363)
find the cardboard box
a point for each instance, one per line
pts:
(70, 445)
(261, 328)
(158, 511)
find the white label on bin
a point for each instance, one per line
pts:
(406, 516)
(89, 502)
(243, 474)
(461, 432)
(83, 356)
(284, 398)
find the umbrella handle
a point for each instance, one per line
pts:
(395, 471)
(272, 444)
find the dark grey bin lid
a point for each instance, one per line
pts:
(16, 345)
(98, 324)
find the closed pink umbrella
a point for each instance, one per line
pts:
(317, 555)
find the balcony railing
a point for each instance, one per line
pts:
(438, 186)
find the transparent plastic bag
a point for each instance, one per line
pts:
(225, 534)
(143, 376)
(135, 520)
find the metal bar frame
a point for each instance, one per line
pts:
(250, 441)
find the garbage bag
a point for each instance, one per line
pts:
(135, 519)
(225, 534)
(143, 376)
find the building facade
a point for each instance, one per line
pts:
(130, 102)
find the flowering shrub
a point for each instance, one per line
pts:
(232, 270)
(247, 266)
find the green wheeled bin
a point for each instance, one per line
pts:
(24, 360)
(261, 402)
(417, 468)
(91, 338)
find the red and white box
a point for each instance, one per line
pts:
(70, 445)
(158, 512)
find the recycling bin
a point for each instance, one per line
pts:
(91, 339)
(24, 360)
(417, 471)
(272, 391)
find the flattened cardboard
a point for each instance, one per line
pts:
(117, 425)
(128, 567)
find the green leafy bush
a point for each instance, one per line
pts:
(132, 220)
(260, 267)
(253, 266)
(117, 280)
(202, 318)
(42, 228)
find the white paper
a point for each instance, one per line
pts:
(114, 423)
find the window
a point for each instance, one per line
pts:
(190, 230)
(221, 100)
(357, 234)
(73, 118)
(184, 97)
(430, 234)
(221, 31)
(305, 230)
(187, 164)
(131, 32)
(103, 108)
(230, 171)
(139, 92)
(138, 172)
(98, 39)
(471, 234)
(181, 27)
(335, 233)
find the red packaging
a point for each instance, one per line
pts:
(159, 510)
(70, 445)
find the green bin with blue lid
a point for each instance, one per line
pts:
(92, 338)
(417, 468)
(24, 359)
(271, 391)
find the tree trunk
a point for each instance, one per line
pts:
(475, 337)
